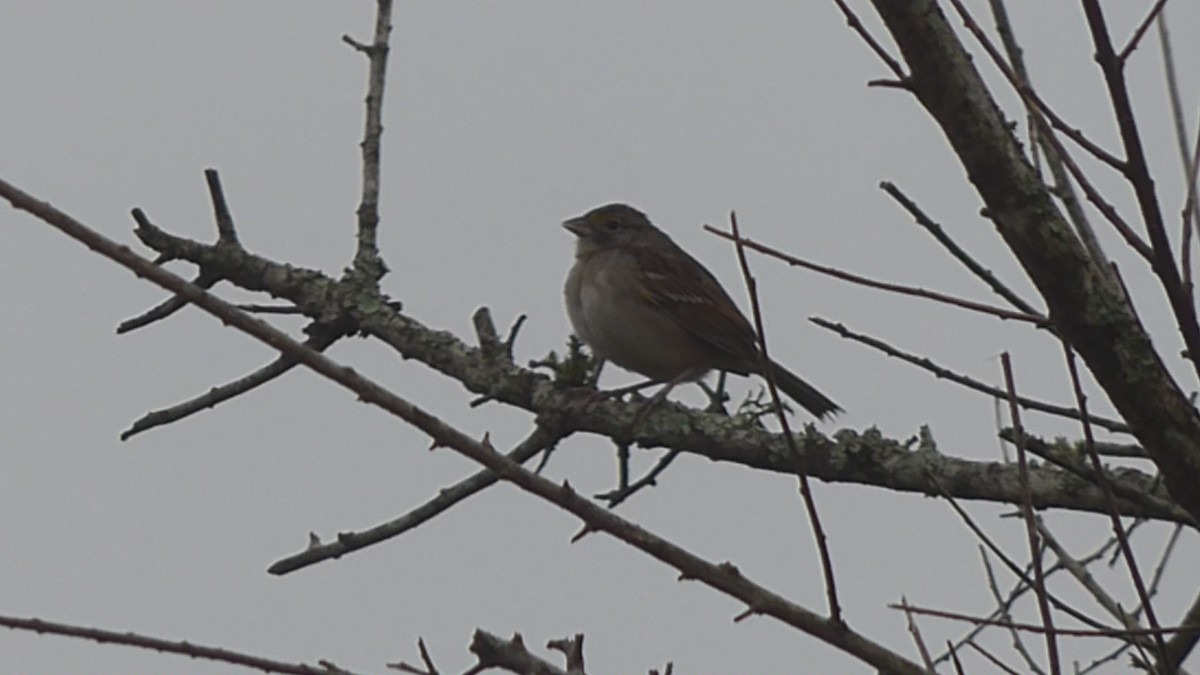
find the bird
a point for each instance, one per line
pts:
(640, 301)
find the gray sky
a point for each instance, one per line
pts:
(501, 119)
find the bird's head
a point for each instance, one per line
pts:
(613, 225)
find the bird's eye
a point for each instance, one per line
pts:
(612, 225)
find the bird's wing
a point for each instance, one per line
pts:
(679, 286)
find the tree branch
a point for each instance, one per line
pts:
(1085, 304)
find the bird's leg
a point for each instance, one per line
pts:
(594, 380)
(621, 391)
(716, 397)
(660, 395)
(589, 395)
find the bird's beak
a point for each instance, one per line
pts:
(577, 226)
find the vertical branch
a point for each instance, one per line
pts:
(1043, 132)
(1191, 212)
(366, 259)
(226, 231)
(1137, 172)
(1191, 218)
(1027, 514)
(810, 504)
(1114, 513)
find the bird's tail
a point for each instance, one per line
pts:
(804, 393)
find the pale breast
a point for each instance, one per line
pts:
(608, 313)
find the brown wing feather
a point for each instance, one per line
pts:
(679, 286)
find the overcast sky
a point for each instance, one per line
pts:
(502, 119)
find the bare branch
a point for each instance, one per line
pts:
(1012, 566)
(957, 251)
(426, 660)
(810, 504)
(1073, 462)
(856, 25)
(226, 237)
(1118, 529)
(1045, 138)
(1035, 548)
(627, 489)
(998, 663)
(320, 337)
(895, 288)
(1191, 210)
(1040, 629)
(957, 378)
(1182, 644)
(1154, 12)
(165, 308)
(1003, 607)
(572, 648)
(226, 231)
(1138, 173)
(510, 655)
(1031, 99)
(916, 635)
(182, 648)
(541, 439)
(367, 260)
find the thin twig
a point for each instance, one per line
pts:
(856, 25)
(539, 440)
(255, 308)
(1093, 195)
(883, 285)
(226, 236)
(1161, 568)
(1182, 644)
(1002, 612)
(184, 648)
(1191, 212)
(1020, 588)
(1013, 567)
(993, 659)
(615, 497)
(1141, 31)
(916, 635)
(319, 339)
(1106, 658)
(426, 659)
(1031, 99)
(226, 230)
(939, 233)
(958, 666)
(1042, 113)
(165, 308)
(1088, 582)
(1027, 514)
(810, 504)
(1040, 629)
(1114, 512)
(968, 382)
(1191, 219)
